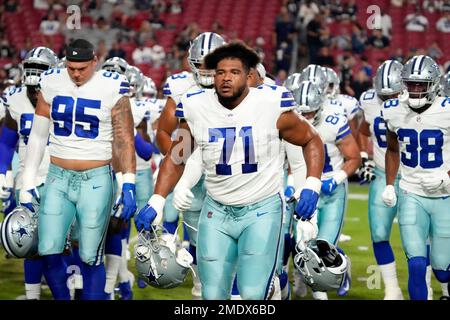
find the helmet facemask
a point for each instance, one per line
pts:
(32, 72)
(420, 93)
(204, 77)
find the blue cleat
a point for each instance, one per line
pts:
(345, 287)
(125, 292)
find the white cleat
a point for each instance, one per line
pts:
(394, 293)
(236, 297)
(276, 290)
(319, 295)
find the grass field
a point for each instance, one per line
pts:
(359, 248)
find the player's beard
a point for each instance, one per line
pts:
(229, 101)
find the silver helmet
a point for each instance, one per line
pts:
(388, 80)
(136, 79)
(149, 89)
(61, 63)
(200, 47)
(309, 99)
(36, 61)
(292, 82)
(322, 266)
(115, 64)
(316, 75)
(421, 76)
(333, 82)
(445, 85)
(160, 262)
(19, 233)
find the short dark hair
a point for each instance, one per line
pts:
(237, 50)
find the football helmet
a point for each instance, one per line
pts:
(19, 233)
(203, 44)
(421, 76)
(309, 99)
(61, 63)
(159, 261)
(136, 79)
(322, 266)
(316, 75)
(388, 80)
(292, 82)
(36, 61)
(445, 85)
(333, 82)
(115, 64)
(149, 89)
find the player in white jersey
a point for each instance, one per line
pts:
(341, 160)
(388, 85)
(238, 130)
(88, 116)
(418, 142)
(176, 85)
(444, 90)
(21, 103)
(341, 103)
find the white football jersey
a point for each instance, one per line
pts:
(342, 104)
(22, 111)
(81, 126)
(241, 148)
(371, 105)
(332, 129)
(424, 141)
(141, 112)
(177, 84)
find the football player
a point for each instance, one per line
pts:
(176, 85)
(388, 84)
(341, 160)
(418, 142)
(88, 116)
(237, 129)
(21, 103)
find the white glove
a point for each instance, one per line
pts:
(433, 181)
(389, 196)
(182, 198)
(6, 185)
(307, 230)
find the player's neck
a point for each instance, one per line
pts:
(421, 109)
(233, 102)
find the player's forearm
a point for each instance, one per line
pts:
(37, 142)
(164, 141)
(314, 154)
(354, 125)
(351, 165)
(168, 176)
(392, 162)
(363, 142)
(123, 142)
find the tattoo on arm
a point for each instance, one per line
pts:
(123, 136)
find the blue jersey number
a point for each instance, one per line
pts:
(64, 119)
(109, 74)
(332, 119)
(229, 136)
(391, 103)
(327, 166)
(379, 129)
(178, 76)
(430, 143)
(26, 122)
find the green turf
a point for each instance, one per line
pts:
(364, 285)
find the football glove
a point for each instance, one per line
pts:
(309, 196)
(182, 198)
(329, 185)
(389, 196)
(366, 171)
(433, 181)
(125, 205)
(30, 199)
(151, 214)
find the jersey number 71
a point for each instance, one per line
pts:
(229, 136)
